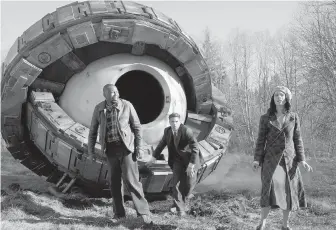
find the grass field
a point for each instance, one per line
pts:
(228, 199)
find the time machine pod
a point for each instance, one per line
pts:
(53, 77)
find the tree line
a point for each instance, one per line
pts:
(301, 56)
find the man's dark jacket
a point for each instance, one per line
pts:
(129, 126)
(187, 146)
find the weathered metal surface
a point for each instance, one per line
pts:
(42, 61)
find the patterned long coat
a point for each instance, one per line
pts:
(280, 146)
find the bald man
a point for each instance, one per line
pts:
(120, 139)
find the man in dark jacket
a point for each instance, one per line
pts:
(120, 138)
(183, 159)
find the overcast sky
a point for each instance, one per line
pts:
(193, 16)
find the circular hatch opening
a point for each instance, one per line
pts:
(144, 92)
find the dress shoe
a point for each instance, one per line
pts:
(182, 213)
(173, 210)
(285, 228)
(147, 219)
(117, 218)
(260, 227)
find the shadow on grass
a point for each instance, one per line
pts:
(129, 223)
(82, 203)
(25, 202)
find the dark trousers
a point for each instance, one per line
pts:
(182, 185)
(121, 165)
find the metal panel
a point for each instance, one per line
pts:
(150, 34)
(114, 31)
(31, 33)
(209, 168)
(102, 7)
(73, 62)
(202, 95)
(90, 170)
(12, 128)
(134, 8)
(79, 133)
(219, 135)
(10, 120)
(49, 51)
(149, 11)
(75, 158)
(167, 184)
(15, 111)
(53, 87)
(103, 177)
(138, 48)
(200, 124)
(51, 146)
(63, 154)
(21, 81)
(204, 107)
(182, 50)
(84, 9)
(120, 6)
(206, 151)
(12, 53)
(26, 69)
(82, 34)
(29, 109)
(48, 21)
(196, 67)
(156, 182)
(171, 41)
(71, 12)
(204, 90)
(55, 115)
(200, 117)
(36, 97)
(11, 99)
(201, 79)
(67, 13)
(180, 71)
(162, 17)
(38, 132)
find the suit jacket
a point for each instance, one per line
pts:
(186, 146)
(129, 126)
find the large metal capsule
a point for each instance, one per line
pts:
(53, 77)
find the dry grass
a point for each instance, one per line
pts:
(226, 200)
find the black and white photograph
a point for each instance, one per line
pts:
(164, 115)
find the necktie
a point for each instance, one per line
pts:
(175, 137)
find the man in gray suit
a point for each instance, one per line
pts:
(183, 159)
(120, 139)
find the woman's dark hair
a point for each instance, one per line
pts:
(272, 109)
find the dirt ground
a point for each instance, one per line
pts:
(227, 199)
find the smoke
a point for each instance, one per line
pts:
(233, 173)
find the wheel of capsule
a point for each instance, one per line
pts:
(53, 77)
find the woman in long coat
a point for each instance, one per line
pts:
(279, 150)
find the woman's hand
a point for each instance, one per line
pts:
(255, 165)
(306, 166)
